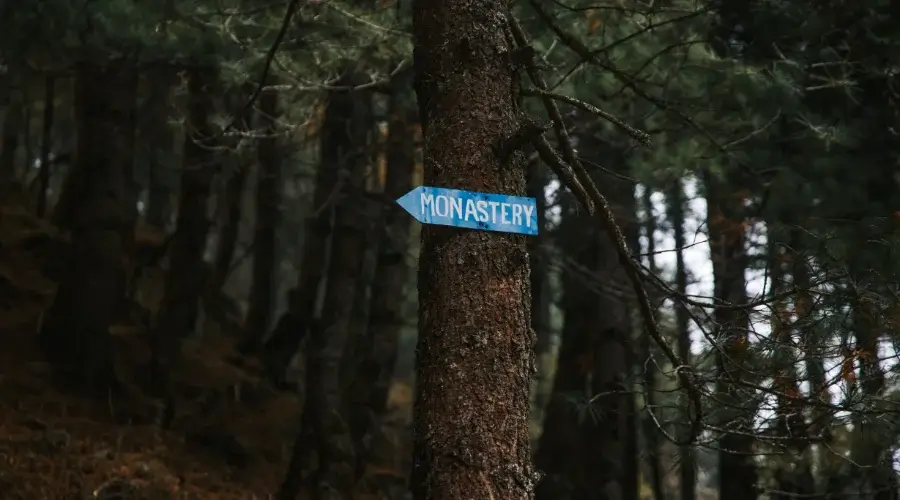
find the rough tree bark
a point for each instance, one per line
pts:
(676, 207)
(186, 274)
(268, 206)
(74, 333)
(737, 469)
(475, 359)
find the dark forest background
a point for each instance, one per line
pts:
(207, 290)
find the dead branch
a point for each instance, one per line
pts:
(685, 373)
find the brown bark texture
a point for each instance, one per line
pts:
(74, 333)
(475, 361)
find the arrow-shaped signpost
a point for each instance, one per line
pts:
(471, 210)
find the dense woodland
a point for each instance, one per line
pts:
(208, 291)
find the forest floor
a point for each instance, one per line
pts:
(231, 438)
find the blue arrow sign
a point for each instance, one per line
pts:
(471, 210)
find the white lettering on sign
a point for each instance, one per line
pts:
(472, 210)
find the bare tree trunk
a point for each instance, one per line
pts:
(609, 448)
(376, 371)
(300, 319)
(12, 124)
(46, 144)
(268, 207)
(558, 454)
(74, 332)
(648, 367)
(737, 469)
(475, 334)
(186, 274)
(540, 290)
(345, 143)
(160, 140)
(676, 207)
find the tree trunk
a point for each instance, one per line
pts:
(648, 368)
(233, 197)
(345, 154)
(540, 291)
(737, 469)
(46, 144)
(388, 295)
(301, 317)
(558, 449)
(676, 207)
(185, 276)
(12, 124)
(74, 333)
(268, 209)
(160, 143)
(475, 358)
(609, 447)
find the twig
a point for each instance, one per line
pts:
(570, 163)
(639, 135)
(267, 64)
(686, 376)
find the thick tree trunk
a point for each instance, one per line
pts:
(737, 469)
(186, 273)
(676, 207)
(74, 332)
(268, 209)
(160, 143)
(475, 336)
(345, 154)
(46, 144)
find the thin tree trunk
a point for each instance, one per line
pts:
(74, 332)
(301, 319)
(268, 207)
(540, 290)
(475, 351)
(558, 448)
(648, 367)
(46, 144)
(160, 139)
(185, 276)
(12, 124)
(391, 269)
(676, 208)
(737, 469)
(345, 136)
(610, 445)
